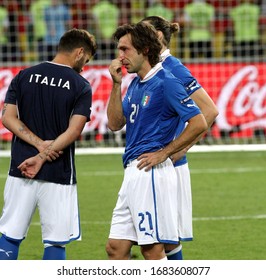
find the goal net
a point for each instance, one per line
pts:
(219, 41)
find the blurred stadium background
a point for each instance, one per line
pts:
(221, 42)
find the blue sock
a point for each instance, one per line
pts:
(54, 253)
(9, 248)
(175, 254)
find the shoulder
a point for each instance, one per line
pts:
(172, 62)
(172, 59)
(38, 66)
(177, 68)
(27, 71)
(84, 82)
(135, 81)
(168, 79)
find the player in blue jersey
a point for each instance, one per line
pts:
(46, 108)
(165, 30)
(155, 104)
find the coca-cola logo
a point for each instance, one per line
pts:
(242, 100)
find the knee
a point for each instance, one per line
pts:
(112, 249)
(153, 252)
(117, 249)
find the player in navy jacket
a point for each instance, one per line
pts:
(46, 108)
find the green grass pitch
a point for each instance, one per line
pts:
(229, 208)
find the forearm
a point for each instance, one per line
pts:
(206, 105)
(194, 141)
(195, 128)
(18, 128)
(116, 118)
(31, 166)
(210, 116)
(60, 143)
(74, 130)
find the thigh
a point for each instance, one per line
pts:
(19, 205)
(184, 202)
(152, 202)
(122, 227)
(59, 213)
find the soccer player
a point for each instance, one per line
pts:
(165, 30)
(154, 106)
(46, 108)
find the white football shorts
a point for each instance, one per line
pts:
(146, 210)
(57, 204)
(184, 202)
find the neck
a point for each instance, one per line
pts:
(144, 70)
(62, 59)
(163, 49)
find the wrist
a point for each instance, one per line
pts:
(39, 145)
(42, 156)
(117, 84)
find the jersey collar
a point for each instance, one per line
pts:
(165, 54)
(58, 64)
(152, 72)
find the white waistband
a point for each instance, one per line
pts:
(135, 162)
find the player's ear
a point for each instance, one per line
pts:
(160, 35)
(79, 53)
(146, 51)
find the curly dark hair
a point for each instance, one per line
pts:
(144, 39)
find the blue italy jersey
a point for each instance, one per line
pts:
(47, 95)
(177, 68)
(154, 108)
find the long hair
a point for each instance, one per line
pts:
(166, 27)
(144, 39)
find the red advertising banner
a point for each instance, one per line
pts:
(238, 89)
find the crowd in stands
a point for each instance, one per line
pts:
(30, 29)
